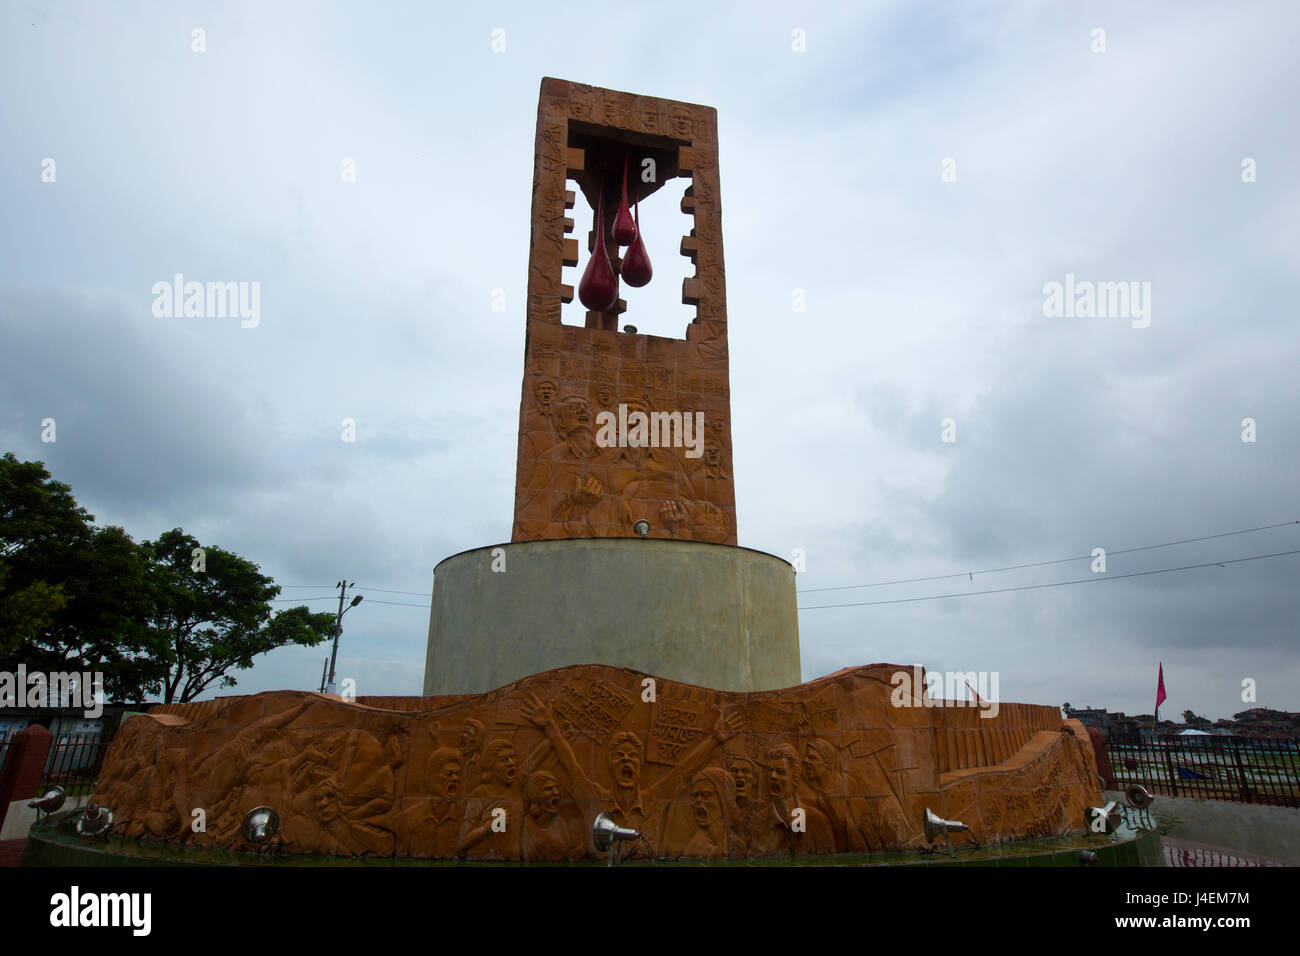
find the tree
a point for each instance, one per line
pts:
(1191, 720)
(26, 612)
(72, 594)
(35, 510)
(148, 616)
(212, 614)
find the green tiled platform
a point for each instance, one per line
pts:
(56, 843)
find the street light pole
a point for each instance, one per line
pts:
(343, 586)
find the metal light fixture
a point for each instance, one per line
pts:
(606, 834)
(1112, 815)
(1088, 857)
(260, 824)
(1138, 797)
(936, 826)
(642, 527)
(630, 329)
(94, 820)
(49, 802)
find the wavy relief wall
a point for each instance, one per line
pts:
(519, 773)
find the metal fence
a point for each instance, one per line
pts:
(74, 762)
(1243, 769)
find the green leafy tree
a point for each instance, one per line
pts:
(26, 612)
(73, 596)
(212, 614)
(149, 616)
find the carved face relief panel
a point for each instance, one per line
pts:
(521, 773)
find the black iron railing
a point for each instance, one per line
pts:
(74, 762)
(1244, 769)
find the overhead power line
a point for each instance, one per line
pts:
(1039, 564)
(360, 587)
(1057, 584)
(938, 597)
(334, 597)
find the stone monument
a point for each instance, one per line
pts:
(623, 548)
(621, 655)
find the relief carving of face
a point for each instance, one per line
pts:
(648, 113)
(328, 805)
(544, 393)
(505, 768)
(679, 118)
(571, 415)
(814, 767)
(547, 796)
(612, 113)
(743, 776)
(469, 735)
(445, 779)
(780, 780)
(625, 763)
(705, 802)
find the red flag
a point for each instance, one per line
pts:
(1160, 689)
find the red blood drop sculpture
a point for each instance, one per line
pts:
(624, 227)
(636, 263)
(598, 290)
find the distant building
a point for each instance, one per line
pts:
(1112, 724)
(1264, 722)
(1089, 716)
(1259, 722)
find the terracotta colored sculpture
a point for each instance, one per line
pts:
(566, 484)
(835, 765)
(844, 764)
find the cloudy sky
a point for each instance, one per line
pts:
(916, 174)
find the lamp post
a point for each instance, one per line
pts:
(343, 586)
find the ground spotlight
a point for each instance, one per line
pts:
(1111, 814)
(260, 824)
(47, 804)
(1138, 797)
(936, 826)
(94, 820)
(607, 834)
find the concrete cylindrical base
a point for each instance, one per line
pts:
(708, 614)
